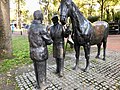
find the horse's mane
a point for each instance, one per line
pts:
(77, 10)
(82, 23)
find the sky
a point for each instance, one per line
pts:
(31, 5)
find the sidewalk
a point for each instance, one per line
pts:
(22, 32)
(113, 42)
(102, 75)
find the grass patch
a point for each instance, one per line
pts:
(21, 56)
(68, 48)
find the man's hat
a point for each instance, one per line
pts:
(55, 16)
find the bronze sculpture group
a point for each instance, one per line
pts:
(83, 34)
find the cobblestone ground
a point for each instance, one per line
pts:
(102, 75)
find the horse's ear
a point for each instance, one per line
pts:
(69, 1)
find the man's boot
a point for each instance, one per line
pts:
(37, 86)
(61, 67)
(43, 85)
(57, 66)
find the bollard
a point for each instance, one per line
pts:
(20, 32)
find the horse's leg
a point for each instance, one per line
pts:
(77, 50)
(87, 54)
(99, 47)
(104, 49)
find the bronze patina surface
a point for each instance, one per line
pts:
(84, 33)
(38, 41)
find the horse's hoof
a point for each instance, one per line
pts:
(103, 59)
(56, 72)
(44, 86)
(84, 70)
(75, 68)
(60, 75)
(37, 86)
(97, 57)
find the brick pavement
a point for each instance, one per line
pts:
(102, 75)
(113, 42)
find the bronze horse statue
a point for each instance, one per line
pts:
(84, 32)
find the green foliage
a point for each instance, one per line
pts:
(20, 54)
(21, 1)
(25, 15)
(117, 16)
(93, 18)
(55, 2)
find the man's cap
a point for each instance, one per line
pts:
(54, 16)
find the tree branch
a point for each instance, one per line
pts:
(5, 1)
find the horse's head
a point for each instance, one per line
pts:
(65, 7)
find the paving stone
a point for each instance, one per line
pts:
(102, 75)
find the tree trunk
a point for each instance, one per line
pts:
(102, 10)
(5, 31)
(19, 15)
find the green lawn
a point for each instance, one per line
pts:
(21, 56)
(20, 46)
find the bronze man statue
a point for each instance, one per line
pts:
(38, 40)
(57, 34)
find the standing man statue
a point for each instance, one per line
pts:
(57, 34)
(38, 40)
